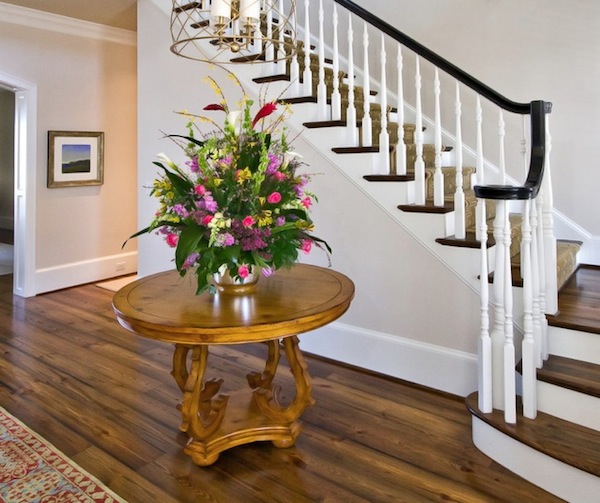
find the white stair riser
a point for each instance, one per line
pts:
(565, 481)
(574, 344)
(569, 405)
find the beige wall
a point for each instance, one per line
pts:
(7, 126)
(84, 83)
(538, 49)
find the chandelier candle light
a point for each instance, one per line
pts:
(250, 30)
(239, 206)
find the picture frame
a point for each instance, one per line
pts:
(75, 158)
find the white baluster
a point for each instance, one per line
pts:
(419, 162)
(551, 286)
(459, 194)
(485, 342)
(401, 147)
(438, 176)
(502, 161)
(269, 47)
(281, 55)
(367, 125)
(536, 268)
(524, 160)
(321, 86)
(336, 97)
(529, 357)
(383, 166)
(497, 334)
(509, 378)
(479, 174)
(307, 76)
(352, 129)
(542, 272)
(294, 89)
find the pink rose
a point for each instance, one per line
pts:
(207, 219)
(279, 175)
(248, 221)
(306, 202)
(200, 190)
(306, 245)
(274, 198)
(172, 240)
(243, 271)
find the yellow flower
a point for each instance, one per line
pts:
(265, 218)
(217, 181)
(243, 174)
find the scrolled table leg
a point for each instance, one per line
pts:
(268, 399)
(264, 380)
(202, 412)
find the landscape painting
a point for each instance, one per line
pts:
(75, 158)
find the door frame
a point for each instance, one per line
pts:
(25, 166)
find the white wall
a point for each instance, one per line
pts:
(86, 81)
(389, 327)
(539, 49)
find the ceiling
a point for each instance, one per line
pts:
(115, 13)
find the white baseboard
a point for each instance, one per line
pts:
(86, 271)
(432, 366)
(556, 477)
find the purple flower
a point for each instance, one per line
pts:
(180, 210)
(224, 239)
(280, 221)
(193, 164)
(274, 163)
(191, 259)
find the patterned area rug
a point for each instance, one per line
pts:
(34, 471)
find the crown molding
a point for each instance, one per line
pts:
(62, 24)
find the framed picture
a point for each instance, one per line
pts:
(75, 158)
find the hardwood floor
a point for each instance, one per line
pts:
(106, 399)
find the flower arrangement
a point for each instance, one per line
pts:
(239, 203)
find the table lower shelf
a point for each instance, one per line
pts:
(244, 423)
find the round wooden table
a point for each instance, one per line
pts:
(291, 301)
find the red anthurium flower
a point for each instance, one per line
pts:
(265, 111)
(214, 106)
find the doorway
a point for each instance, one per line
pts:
(24, 117)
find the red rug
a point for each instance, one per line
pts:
(34, 471)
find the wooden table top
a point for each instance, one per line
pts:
(291, 301)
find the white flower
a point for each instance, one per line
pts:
(165, 158)
(289, 156)
(232, 119)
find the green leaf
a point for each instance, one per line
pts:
(187, 244)
(191, 139)
(181, 183)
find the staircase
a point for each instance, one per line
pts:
(558, 445)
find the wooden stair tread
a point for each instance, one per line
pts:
(568, 442)
(575, 375)
(578, 301)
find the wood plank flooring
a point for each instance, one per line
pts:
(106, 399)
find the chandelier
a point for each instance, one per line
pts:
(234, 31)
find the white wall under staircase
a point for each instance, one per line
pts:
(399, 281)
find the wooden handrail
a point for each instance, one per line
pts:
(443, 64)
(533, 182)
(537, 109)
